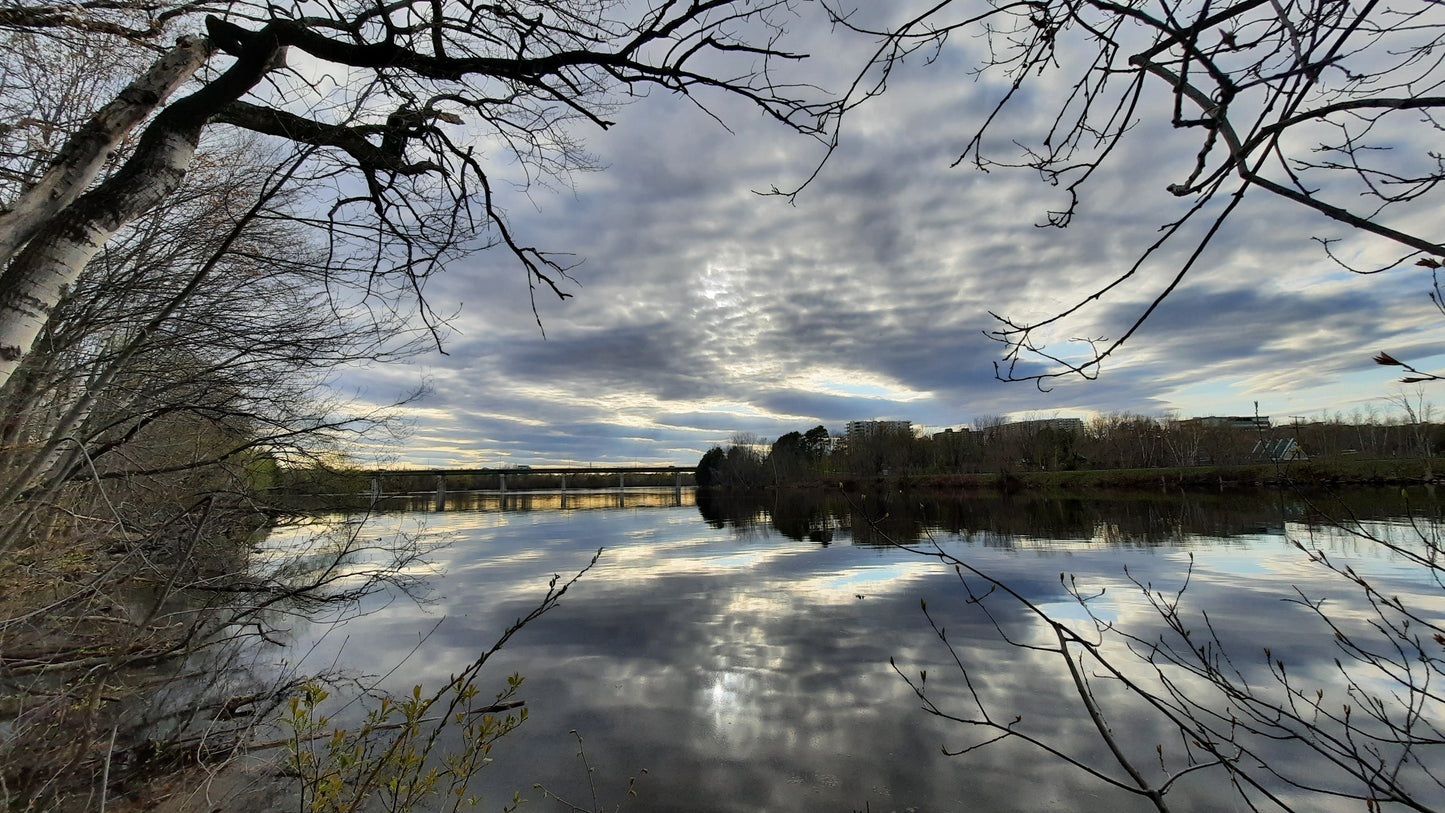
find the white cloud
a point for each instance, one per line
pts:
(703, 309)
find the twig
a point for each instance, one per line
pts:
(316, 735)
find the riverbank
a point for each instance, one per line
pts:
(1309, 474)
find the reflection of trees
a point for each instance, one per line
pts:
(1278, 733)
(728, 509)
(812, 516)
(881, 518)
(158, 674)
(570, 500)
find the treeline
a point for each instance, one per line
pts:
(1109, 442)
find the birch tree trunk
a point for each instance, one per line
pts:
(43, 252)
(60, 245)
(85, 152)
(52, 259)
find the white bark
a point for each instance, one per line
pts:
(86, 151)
(53, 258)
(41, 255)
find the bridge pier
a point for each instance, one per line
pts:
(502, 483)
(375, 489)
(621, 480)
(564, 482)
(441, 492)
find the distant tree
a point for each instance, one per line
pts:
(816, 443)
(1053, 449)
(1125, 441)
(788, 444)
(955, 452)
(744, 465)
(787, 457)
(984, 423)
(709, 469)
(741, 466)
(884, 450)
(1418, 413)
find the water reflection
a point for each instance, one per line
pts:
(739, 649)
(551, 500)
(1140, 519)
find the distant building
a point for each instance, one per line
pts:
(1233, 421)
(951, 435)
(1058, 424)
(1061, 424)
(869, 429)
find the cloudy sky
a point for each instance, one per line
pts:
(703, 309)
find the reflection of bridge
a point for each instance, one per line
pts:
(559, 473)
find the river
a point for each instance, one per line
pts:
(737, 655)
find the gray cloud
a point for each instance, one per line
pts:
(704, 309)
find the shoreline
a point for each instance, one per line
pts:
(1310, 474)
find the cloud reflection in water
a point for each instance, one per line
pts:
(750, 671)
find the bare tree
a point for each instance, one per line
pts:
(180, 266)
(419, 94)
(136, 442)
(1371, 733)
(1418, 414)
(1329, 105)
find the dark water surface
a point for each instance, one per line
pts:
(739, 651)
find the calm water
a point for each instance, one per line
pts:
(739, 651)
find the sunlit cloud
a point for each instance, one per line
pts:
(701, 309)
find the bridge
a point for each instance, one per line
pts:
(520, 475)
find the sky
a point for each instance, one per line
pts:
(702, 310)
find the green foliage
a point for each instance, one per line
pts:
(709, 467)
(263, 473)
(815, 443)
(789, 444)
(393, 759)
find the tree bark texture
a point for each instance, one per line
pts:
(49, 234)
(59, 248)
(83, 155)
(50, 262)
